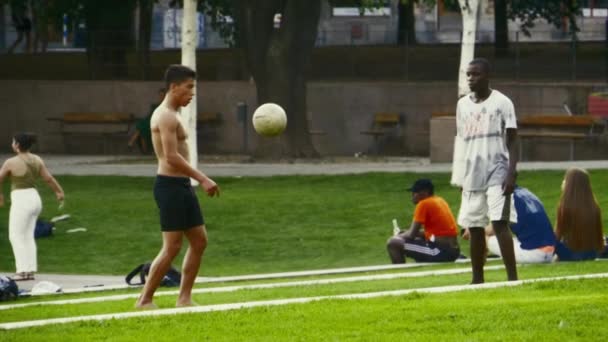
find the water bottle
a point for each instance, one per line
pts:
(396, 229)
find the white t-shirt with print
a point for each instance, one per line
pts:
(481, 127)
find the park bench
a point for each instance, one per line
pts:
(206, 128)
(560, 127)
(383, 124)
(107, 126)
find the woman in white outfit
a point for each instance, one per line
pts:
(24, 170)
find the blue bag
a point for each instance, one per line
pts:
(43, 229)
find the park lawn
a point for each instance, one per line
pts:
(560, 310)
(258, 225)
(46, 311)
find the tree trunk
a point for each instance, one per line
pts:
(277, 58)
(110, 36)
(189, 43)
(468, 9)
(501, 29)
(406, 27)
(146, 8)
(2, 28)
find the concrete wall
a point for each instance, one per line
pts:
(341, 109)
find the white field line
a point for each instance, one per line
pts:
(236, 306)
(255, 286)
(263, 276)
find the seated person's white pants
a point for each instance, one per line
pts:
(522, 256)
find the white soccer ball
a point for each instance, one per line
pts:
(269, 120)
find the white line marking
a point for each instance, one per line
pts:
(235, 306)
(255, 286)
(204, 280)
(263, 276)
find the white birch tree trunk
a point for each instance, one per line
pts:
(189, 43)
(468, 9)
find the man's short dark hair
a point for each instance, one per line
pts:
(25, 140)
(485, 64)
(423, 185)
(177, 73)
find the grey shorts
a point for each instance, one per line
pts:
(177, 203)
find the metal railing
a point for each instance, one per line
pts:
(340, 54)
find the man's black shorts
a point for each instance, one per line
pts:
(177, 202)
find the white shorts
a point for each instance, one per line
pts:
(522, 256)
(478, 208)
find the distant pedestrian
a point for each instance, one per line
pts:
(22, 24)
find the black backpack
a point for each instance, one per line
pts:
(8, 289)
(171, 279)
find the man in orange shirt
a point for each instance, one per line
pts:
(432, 237)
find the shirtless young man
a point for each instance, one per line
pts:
(180, 213)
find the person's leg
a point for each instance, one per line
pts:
(531, 256)
(16, 43)
(134, 138)
(501, 210)
(143, 145)
(18, 217)
(31, 260)
(28, 41)
(197, 238)
(394, 247)
(473, 215)
(505, 241)
(172, 243)
(478, 253)
(427, 251)
(492, 245)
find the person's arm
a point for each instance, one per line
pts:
(4, 172)
(512, 141)
(167, 126)
(413, 232)
(51, 181)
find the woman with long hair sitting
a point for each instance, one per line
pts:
(578, 229)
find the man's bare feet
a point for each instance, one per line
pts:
(185, 304)
(146, 306)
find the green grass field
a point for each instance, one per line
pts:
(557, 310)
(258, 225)
(263, 225)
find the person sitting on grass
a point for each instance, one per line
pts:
(578, 229)
(432, 236)
(142, 136)
(534, 241)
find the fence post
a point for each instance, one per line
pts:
(406, 67)
(517, 56)
(2, 29)
(573, 57)
(606, 48)
(241, 115)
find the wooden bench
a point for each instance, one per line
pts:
(571, 128)
(206, 128)
(109, 126)
(208, 118)
(383, 124)
(314, 132)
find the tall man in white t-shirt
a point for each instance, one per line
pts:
(487, 128)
